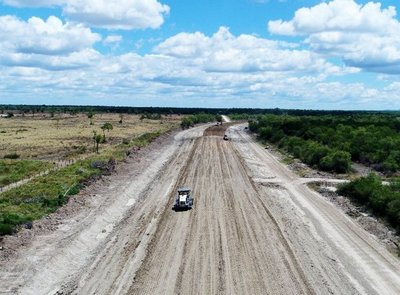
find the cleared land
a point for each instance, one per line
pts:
(254, 229)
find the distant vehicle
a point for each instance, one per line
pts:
(184, 199)
(226, 137)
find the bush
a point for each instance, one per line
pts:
(6, 229)
(393, 212)
(383, 200)
(338, 161)
(186, 123)
(9, 221)
(362, 188)
(12, 156)
(190, 121)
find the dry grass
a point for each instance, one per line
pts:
(58, 138)
(67, 137)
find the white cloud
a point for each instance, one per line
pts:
(108, 14)
(46, 44)
(365, 36)
(74, 60)
(223, 52)
(33, 3)
(186, 69)
(117, 14)
(110, 39)
(49, 37)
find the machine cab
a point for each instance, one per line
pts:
(184, 198)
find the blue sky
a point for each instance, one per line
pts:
(338, 54)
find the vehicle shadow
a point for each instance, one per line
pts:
(180, 209)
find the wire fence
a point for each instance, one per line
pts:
(58, 164)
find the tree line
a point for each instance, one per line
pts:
(190, 121)
(243, 112)
(331, 142)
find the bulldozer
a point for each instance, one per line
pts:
(184, 199)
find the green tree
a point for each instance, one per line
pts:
(106, 126)
(94, 139)
(186, 123)
(362, 188)
(98, 139)
(218, 118)
(393, 211)
(338, 161)
(90, 116)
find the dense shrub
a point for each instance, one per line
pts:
(382, 200)
(327, 141)
(12, 156)
(190, 121)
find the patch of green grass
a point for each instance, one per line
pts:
(288, 160)
(145, 139)
(42, 195)
(13, 171)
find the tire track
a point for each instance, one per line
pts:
(227, 243)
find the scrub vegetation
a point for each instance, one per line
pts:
(382, 199)
(331, 142)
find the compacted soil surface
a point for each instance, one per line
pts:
(255, 228)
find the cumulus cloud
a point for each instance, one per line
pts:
(365, 36)
(224, 52)
(45, 43)
(75, 60)
(48, 37)
(117, 14)
(192, 68)
(108, 14)
(35, 3)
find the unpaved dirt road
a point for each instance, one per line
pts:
(255, 229)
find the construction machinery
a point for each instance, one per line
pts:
(184, 200)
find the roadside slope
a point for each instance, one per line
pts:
(338, 249)
(57, 261)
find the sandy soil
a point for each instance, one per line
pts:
(255, 228)
(334, 251)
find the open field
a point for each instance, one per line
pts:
(69, 136)
(255, 228)
(66, 141)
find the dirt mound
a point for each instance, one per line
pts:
(217, 130)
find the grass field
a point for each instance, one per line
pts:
(66, 137)
(16, 170)
(47, 140)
